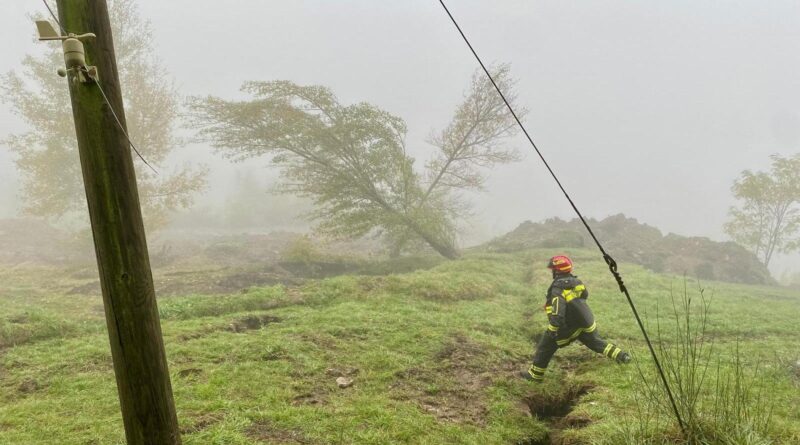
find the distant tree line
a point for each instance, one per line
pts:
(47, 154)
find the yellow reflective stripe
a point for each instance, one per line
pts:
(552, 328)
(537, 377)
(607, 349)
(575, 334)
(555, 305)
(538, 369)
(548, 309)
(571, 337)
(571, 294)
(616, 353)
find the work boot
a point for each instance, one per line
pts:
(624, 358)
(532, 375)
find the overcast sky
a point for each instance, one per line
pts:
(648, 108)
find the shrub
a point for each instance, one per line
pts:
(720, 402)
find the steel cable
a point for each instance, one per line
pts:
(612, 264)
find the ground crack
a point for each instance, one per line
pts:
(555, 408)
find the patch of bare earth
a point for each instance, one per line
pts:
(453, 390)
(189, 373)
(264, 432)
(202, 422)
(556, 409)
(317, 392)
(29, 386)
(252, 322)
(239, 325)
(314, 396)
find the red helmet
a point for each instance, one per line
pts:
(560, 264)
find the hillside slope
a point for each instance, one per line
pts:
(432, 356)
(628, 240)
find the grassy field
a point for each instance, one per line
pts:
(432, 354)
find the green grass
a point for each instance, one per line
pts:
(433, 355)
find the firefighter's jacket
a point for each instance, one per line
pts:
(567, 310)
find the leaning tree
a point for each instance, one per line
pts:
(352, 162)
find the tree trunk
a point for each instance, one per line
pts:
(443, 247)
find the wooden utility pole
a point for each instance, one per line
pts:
(137, 348)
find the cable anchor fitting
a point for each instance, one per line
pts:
(612, 266)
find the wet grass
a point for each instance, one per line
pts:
(432, 353)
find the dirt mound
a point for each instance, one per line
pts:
(628, 240)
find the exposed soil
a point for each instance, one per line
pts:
(459, 397)
(314, 397)
(28, 386)
(202, 422)
(556, 405)
(186, 278)
(252, 322)
(555, 408)
(189, 372)
(197, 334)
(265, 432)
(19, 319)
(239, 325)
(322, 340)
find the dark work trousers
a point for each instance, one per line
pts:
(548, 345)
(579, 325)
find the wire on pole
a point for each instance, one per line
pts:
(116, 118)
(55, 17)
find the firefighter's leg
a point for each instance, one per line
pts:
(541, 358)
(593, 341)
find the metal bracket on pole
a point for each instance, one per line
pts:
(74, 53)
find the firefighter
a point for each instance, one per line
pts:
(569, 319)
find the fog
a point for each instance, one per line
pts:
(650, 109)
